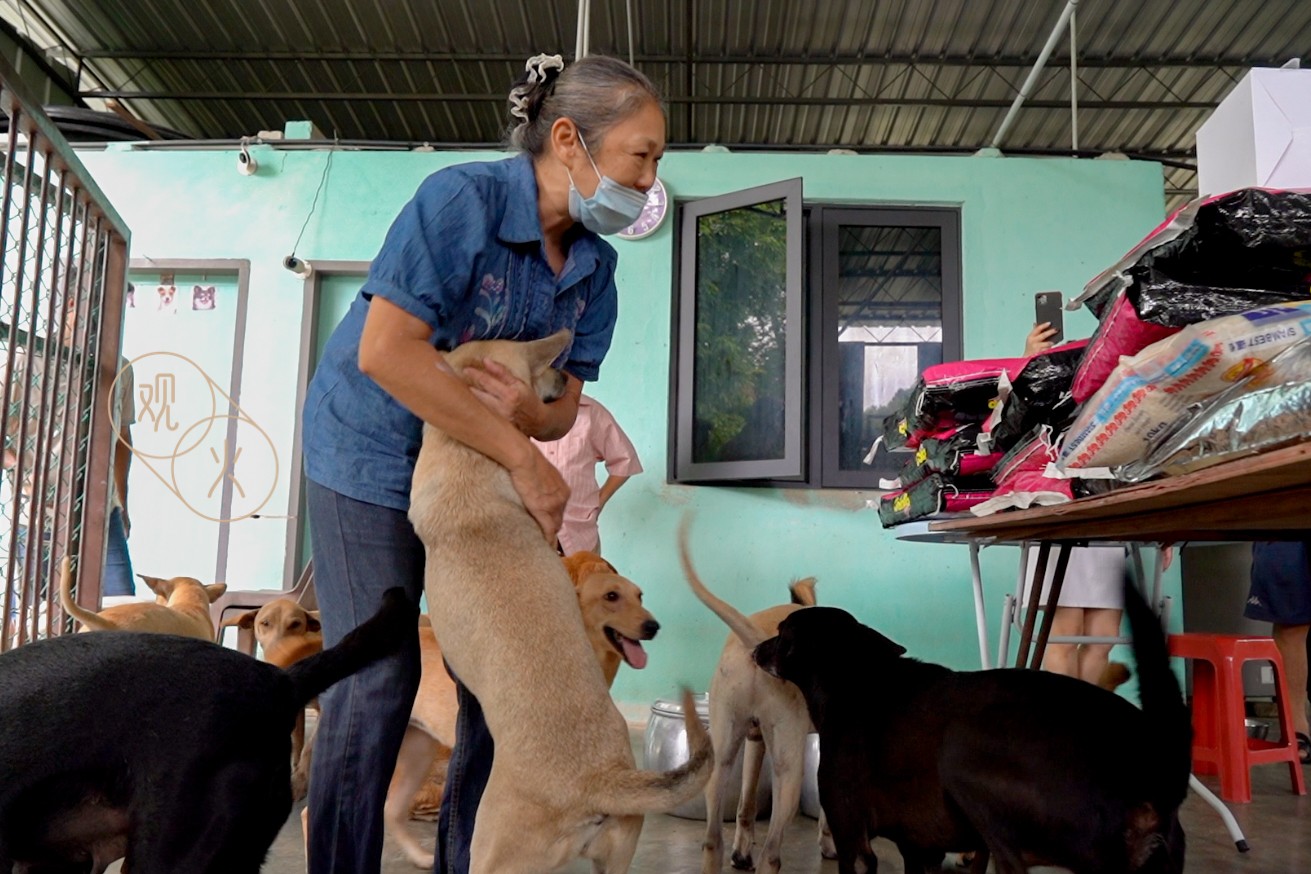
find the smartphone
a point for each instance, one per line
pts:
(1047, 308)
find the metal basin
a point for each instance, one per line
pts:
(810, 782)
(666, 748)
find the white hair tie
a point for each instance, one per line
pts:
(540, 69)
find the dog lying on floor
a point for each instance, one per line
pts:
(769, 714)
(564, 783)
(168, 750)
(939, 760)
(181, 607)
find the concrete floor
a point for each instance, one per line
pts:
(1277, 825)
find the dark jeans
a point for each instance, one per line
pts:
(360, 551)
(466, 778)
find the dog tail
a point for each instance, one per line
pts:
(746, 630)
(1162, 700)
(90, 619)
(380, 636)
(803, 592)
(635, 792)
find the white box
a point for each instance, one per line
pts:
(1260, 135)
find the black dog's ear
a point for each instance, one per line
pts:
(882, 645)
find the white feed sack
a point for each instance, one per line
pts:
(1151, 390)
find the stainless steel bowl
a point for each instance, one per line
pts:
(1257, 729)
(666, 749)
(810, 781)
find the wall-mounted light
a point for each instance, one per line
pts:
(299, 266)
(246, 164)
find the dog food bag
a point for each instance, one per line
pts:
(952, 455)
(1023, 489)
(1215, 257)
(1039, 395)
(1147, 393)
(965, 389)
(1268, 409)
(1122, 333)
(928, 497)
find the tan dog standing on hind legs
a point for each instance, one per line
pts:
(616, 623)
(768, 714)
(563, 783)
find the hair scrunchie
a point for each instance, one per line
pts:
(539, 70)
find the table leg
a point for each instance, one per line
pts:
(1231, 824)
(980, 615)
(1035, 596)
(1053, 599)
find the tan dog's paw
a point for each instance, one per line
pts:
(1114, 675)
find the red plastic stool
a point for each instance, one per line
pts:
(1220, 741)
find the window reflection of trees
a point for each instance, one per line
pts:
(739, 366)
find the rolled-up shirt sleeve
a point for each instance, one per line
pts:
(612, 445)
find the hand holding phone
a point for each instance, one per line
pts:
(1047, 308)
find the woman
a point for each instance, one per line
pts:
(504, 249)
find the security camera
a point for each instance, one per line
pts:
(246, 165)
(299, 266)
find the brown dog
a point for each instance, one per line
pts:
(287, 633)
(564, 783)
(747, 704)
(616, 623)
(181, 607)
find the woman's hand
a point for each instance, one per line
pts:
(1039, 339)
(543, 491)
(506, 395)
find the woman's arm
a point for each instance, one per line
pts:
(396, 353)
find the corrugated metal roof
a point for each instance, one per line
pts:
(860, 74)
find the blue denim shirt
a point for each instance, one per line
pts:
(465, 255)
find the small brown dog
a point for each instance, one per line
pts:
(287, 633)
(181, 607)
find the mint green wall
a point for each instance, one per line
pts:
(1026, 224)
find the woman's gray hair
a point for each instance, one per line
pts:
(596, 93)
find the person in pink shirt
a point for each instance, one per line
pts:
(595, 437)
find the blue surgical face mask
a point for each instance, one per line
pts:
(610, 209)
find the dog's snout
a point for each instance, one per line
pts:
(649, 628)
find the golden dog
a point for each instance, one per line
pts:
(564, 783)
(181, 607)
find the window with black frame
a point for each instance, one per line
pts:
(761, 398)
(890, 300)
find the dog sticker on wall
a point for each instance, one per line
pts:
(168, 298)
(204, 297)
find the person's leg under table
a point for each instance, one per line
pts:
(360, 551)
(1291, 641)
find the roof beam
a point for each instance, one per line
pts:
(883, 60)
(706, 100)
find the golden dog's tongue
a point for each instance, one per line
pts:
(633, 653)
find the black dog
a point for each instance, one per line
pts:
(171, 751)
(1035, 767)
